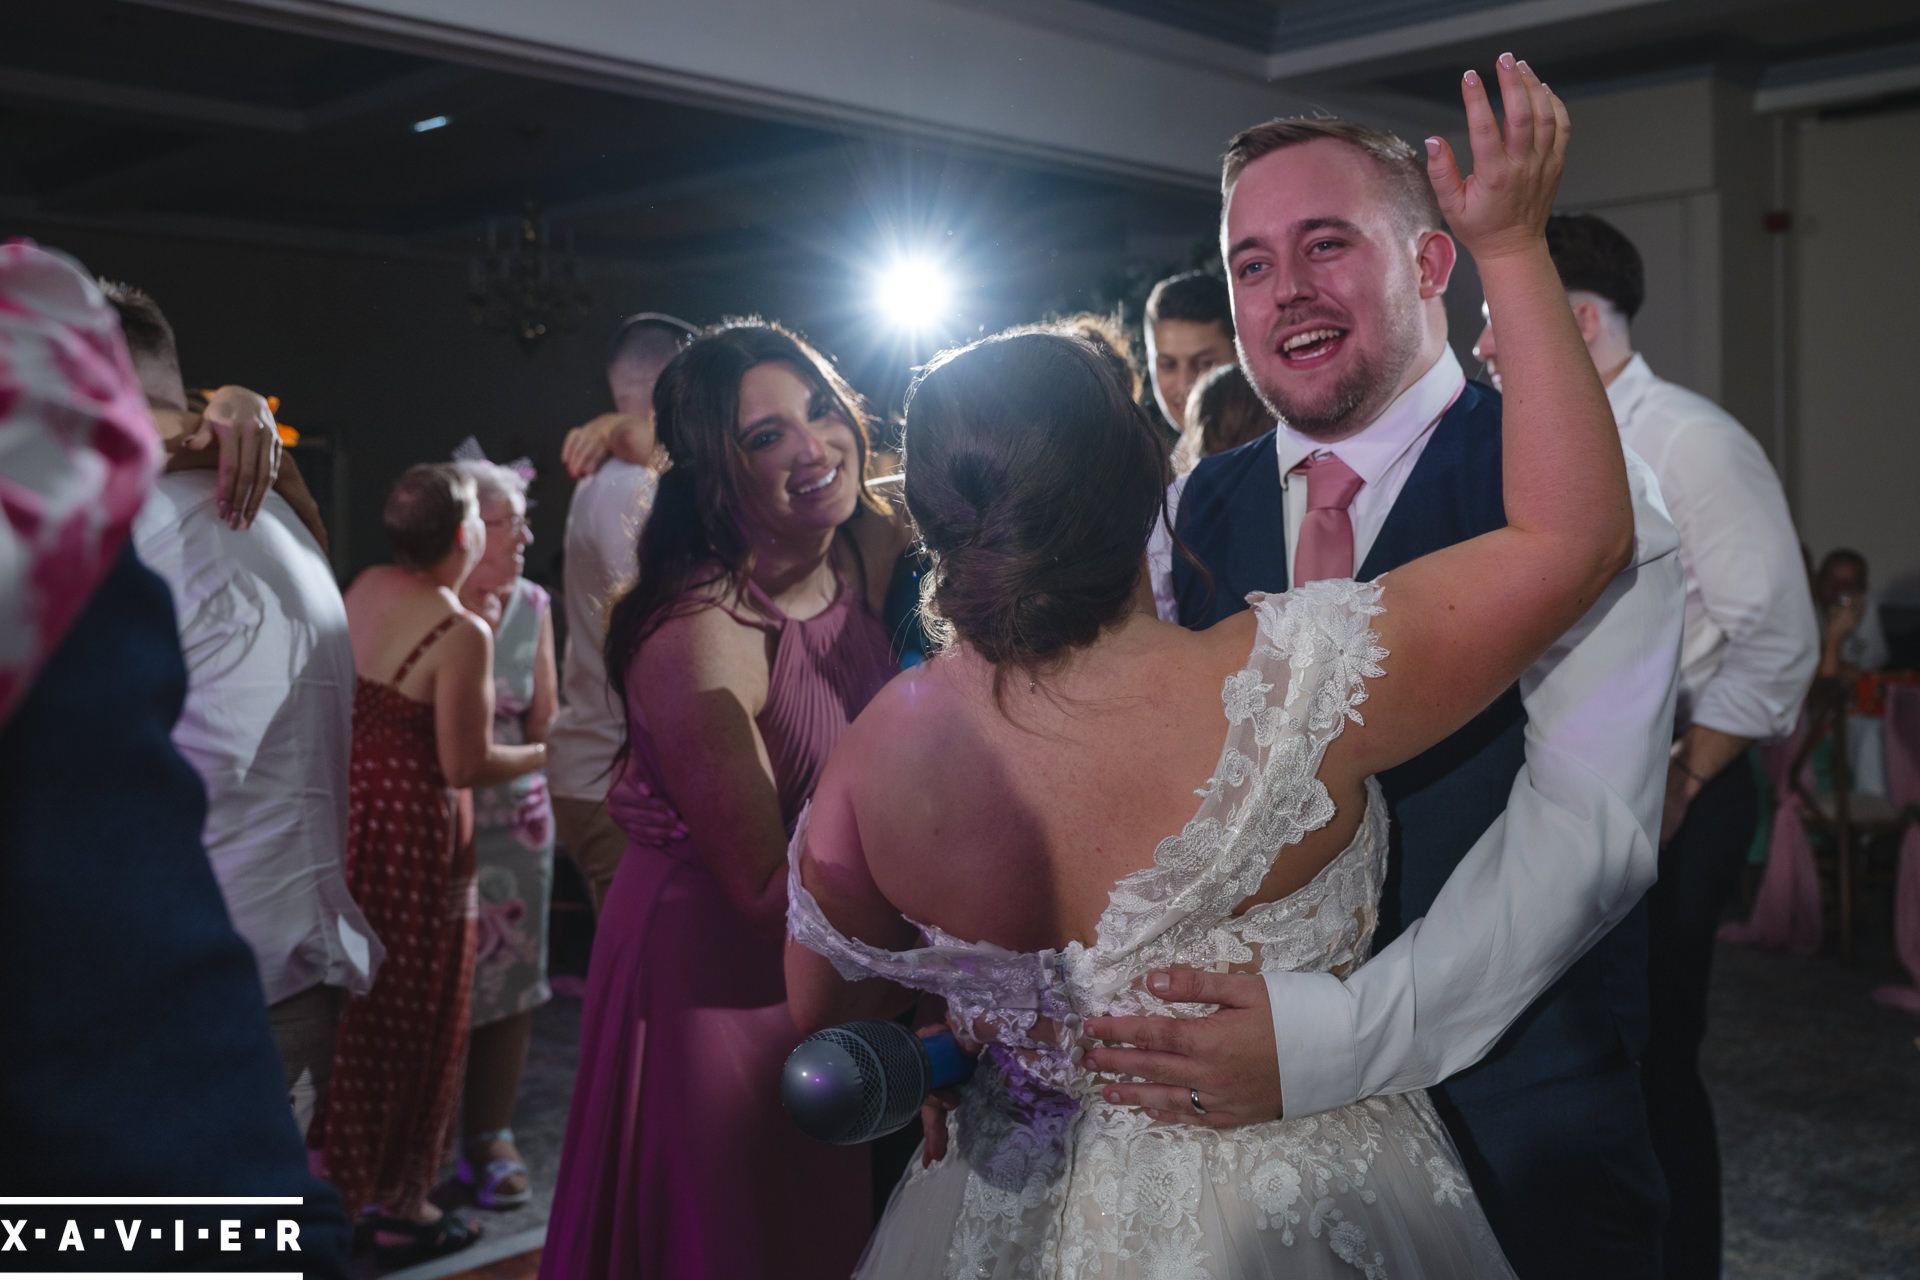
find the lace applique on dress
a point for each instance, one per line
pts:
(1046, 1179)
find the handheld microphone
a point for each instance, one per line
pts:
(860, 1081)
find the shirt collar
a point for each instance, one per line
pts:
(1626, 391)
(1373, 451)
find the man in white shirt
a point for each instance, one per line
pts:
(267, 725)
(604, 520)
(1338, 267)
(1748, 650)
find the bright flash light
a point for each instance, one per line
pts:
(431, 123)
(914, 294)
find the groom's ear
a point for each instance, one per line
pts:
(1434, 257)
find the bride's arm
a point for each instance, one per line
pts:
(832, 865)
(1464, 622)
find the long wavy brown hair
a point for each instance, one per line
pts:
(694, 547)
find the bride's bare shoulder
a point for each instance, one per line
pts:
(893, 709)
(1232, 636)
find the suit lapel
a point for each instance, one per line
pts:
(1410, 527)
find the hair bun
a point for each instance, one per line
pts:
(1034, 480)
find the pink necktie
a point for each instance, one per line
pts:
(1326, 533)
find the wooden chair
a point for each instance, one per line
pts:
(1848, 826)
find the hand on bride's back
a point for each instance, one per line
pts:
(1504, 203)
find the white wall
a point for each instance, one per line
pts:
(1857, 284)
(1644, 159)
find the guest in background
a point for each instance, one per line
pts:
(604, 521)
(1189, 329)
(138, 1058)
(422, 726)
(1223, 412)
(749, 643)
(1850, 609)
(1747, 654)
(512, 838)
(266, 725)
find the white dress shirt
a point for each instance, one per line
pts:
(268, 726)
(1573, 852)
(603, 528)
(1575, 848)
(1751, 643)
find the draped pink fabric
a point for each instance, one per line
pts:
(1786, 911)
(1903, 788)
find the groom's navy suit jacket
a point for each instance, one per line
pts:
(1589, 1026)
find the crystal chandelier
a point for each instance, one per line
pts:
(523, 284)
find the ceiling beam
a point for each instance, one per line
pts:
(394, 92)
(935, 67)
(115, 100)
(1417, 38)
(1812, 83)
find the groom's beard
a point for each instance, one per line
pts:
(1360, 395)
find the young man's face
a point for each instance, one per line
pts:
(1326, 285)
(1179, 353)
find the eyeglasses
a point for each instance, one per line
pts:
(517, 523)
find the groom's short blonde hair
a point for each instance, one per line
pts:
(1402, 167)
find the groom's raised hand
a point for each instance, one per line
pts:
(1227, 1057)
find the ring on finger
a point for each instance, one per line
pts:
(1193, 1096)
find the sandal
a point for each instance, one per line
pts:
(449, 1233)
(485, 1187)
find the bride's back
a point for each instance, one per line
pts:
(1008, 817)
(1001, 790)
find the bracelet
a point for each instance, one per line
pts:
(1675, 762)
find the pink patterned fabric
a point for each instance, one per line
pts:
(1786, 911)
(78, 453)
(1903, 788)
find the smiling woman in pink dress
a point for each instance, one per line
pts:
(750, 643)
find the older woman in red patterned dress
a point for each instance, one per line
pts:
(422, 726)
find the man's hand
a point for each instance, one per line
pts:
(1698, 757)
(239, 422)
(930, 1018)
(1681, 789)
(626, 436)
(657, 822)
(1227, 1056)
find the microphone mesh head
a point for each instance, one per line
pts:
(854, 1083)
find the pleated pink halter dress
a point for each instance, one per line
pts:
(679, 1161)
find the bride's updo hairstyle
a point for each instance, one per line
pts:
(1034, 480)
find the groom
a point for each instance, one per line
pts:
(1513, 961)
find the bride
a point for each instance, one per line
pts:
(993, 828)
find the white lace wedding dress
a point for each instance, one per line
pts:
(1043, 1178)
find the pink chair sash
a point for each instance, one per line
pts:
(1903, 788)
(1786, 911)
